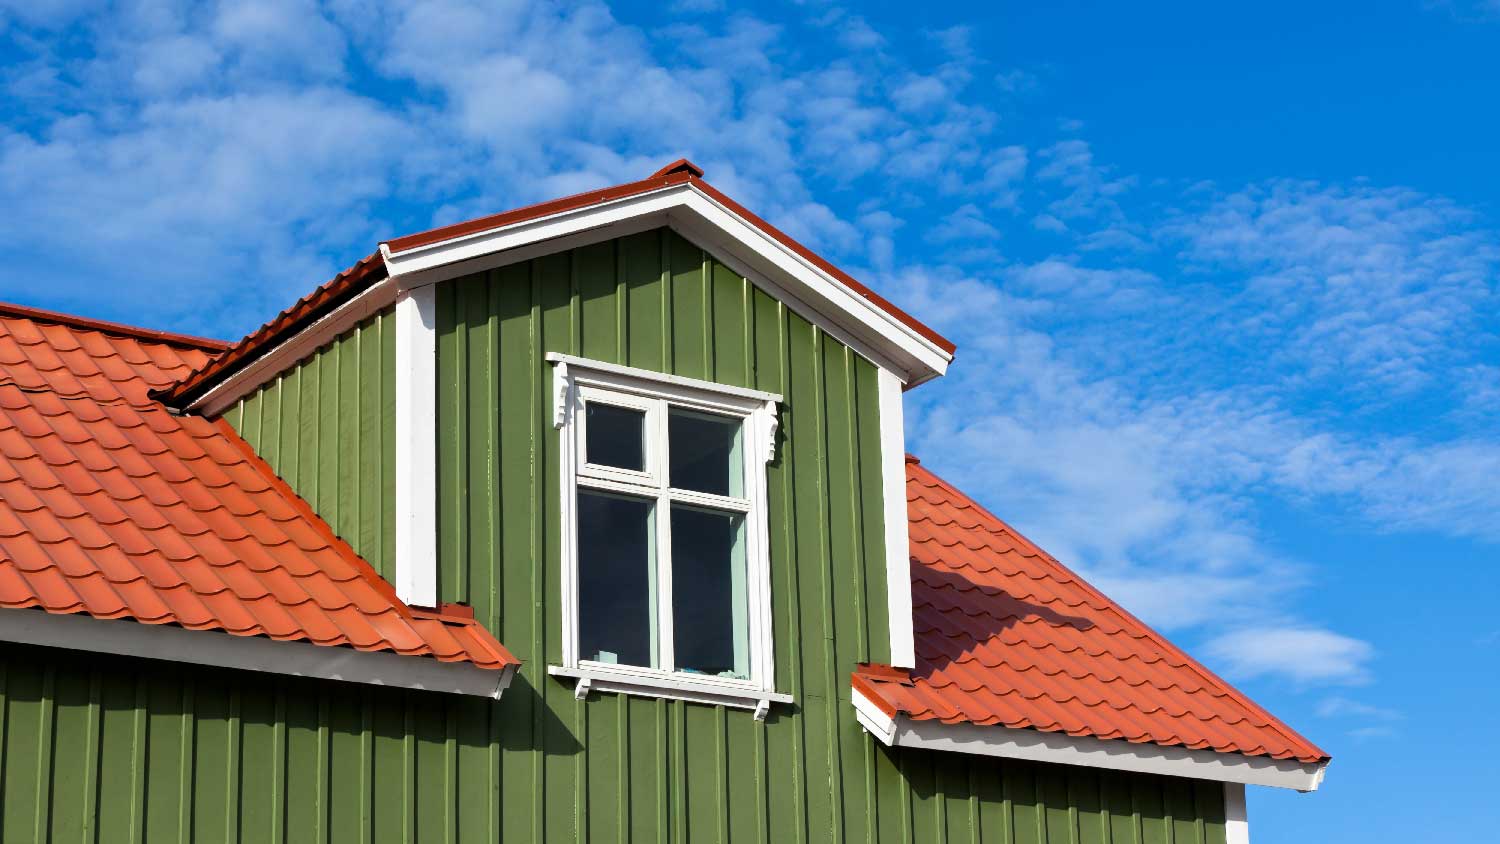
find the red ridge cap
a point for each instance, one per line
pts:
(681, 165)
(108, 327)
(673, 176)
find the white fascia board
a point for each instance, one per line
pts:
(686, 207)
(897, 542)
(416, 447)
(1236, 818)
(1112, 754)
(124, 637)
(921, 358)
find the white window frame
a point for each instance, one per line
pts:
(577, 380)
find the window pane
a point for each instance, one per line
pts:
(615, 437)
(710, 613)
(616, 580)
(705, 453)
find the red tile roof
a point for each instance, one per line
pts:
(114, 507)
(1008, 636)
(349, 283)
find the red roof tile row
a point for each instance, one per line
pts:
(1008, 636)
(112, 506)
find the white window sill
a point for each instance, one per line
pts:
(674, 687)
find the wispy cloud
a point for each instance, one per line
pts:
(1307, 655)
(1359, 288)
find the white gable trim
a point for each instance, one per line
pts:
(686, 206)
(416, 447)
(897, 542)
(124, 637)
(1063, 749)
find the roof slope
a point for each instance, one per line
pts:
(1006, 635)
(113, 507)
(372, 269)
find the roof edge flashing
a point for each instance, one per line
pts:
(1086, 751)
(127, 637)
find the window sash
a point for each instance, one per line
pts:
(655, 400)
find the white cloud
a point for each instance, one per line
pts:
(1346, 708)
(1362, 287)
(1304, 654)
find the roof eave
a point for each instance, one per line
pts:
(1087, 751)
(126, 637)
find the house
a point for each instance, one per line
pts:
(586, 521)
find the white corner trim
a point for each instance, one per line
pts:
(1236, 819)
(416, 447)
(1114, 754)
(897, 544)
(124, 637)
(672, 688)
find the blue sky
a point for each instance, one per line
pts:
(1224, 282)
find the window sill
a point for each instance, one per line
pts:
(671, 687)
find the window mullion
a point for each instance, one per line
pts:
(661, 454)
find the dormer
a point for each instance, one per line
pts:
(639, 430)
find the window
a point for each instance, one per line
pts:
(665, 569)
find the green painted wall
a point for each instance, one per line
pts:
(327, 427)
(126, 750)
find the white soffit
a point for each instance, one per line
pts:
(124, 637)
(711, 225)
(1063, 749)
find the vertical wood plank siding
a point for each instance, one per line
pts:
(135, 750)
(327, 426)
(131, 750)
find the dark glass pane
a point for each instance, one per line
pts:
(616, 580)
(705, 453)
(615, 437)
(710, 616)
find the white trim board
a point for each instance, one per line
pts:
(124, 637)
(1063, 749)
(897, 540)
(416, 447)
(917, 357)
(1236, 817)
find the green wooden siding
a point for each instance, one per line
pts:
(327, 427)
(128, 750)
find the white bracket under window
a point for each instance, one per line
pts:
(592, 679)
(562, 393)
(772, 423)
